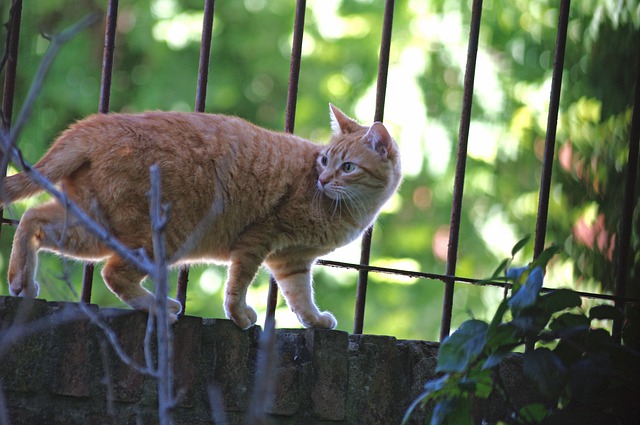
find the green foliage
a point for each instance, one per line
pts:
(572, 361)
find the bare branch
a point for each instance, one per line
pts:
(161, 278)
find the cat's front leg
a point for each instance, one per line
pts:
(294, 280)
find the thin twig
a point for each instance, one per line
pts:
(57, 42)
(137, 258)
(264, 373)
(161, 278)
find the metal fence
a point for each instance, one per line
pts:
(449, 279)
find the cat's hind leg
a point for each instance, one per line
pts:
(49, 227)
(241, 273)
(124, 280)
(294, 280)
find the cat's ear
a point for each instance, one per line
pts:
(379, 139)
(340, 123)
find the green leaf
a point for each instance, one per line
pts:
(544, 368)
(519, 245)
(500, 270)
(452, 411)
(461, 348)
(526, 296)
(559, 299)
(605, 312)
(533, 413)
(569, 321)
(496, 321)
(546, 256)
(498, 356)
(484, 382)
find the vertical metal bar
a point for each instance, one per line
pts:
(626, 224)
(461, 164)
(381, 92)
(103, 108)
(552, 123)
(201, 96)
(205, 53)
(290, 118)
(9, 88)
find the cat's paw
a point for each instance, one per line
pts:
(148, 303)
(324, 320)
(21, 287)
(174, 309)
(241, 314)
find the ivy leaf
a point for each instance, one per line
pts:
(461, 348)
(605, 312)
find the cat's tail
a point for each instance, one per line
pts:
(65, 156)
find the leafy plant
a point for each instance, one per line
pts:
(571, 361)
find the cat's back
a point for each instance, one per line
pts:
(180, 136)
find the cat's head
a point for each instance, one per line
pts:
(360, 165)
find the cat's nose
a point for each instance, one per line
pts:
(323, 180)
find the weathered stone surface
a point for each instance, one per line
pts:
(373, 378)
(228, 360)
(290, 377)
(62, 370)
(330, 362)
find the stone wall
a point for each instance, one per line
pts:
(57, 367)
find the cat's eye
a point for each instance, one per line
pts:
(348, 167)
(324, 160)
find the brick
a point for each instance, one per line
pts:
(123, 382)
(71, 364)
(228, 360)
(330, 363)
(372, 378)
(417, 362)
(288, 383)
(187, 347)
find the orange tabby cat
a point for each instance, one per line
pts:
(237, 193)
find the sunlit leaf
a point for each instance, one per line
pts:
(462, 347)
(527, 294)
(520, 244)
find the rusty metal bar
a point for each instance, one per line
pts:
(13, 41)
(381, 92)
(626, 224)
(290, 118)
(552, 123)
(11, 63)
(461, 164)
(201, 96)
(103, 108)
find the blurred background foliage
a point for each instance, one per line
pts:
(156, 64)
